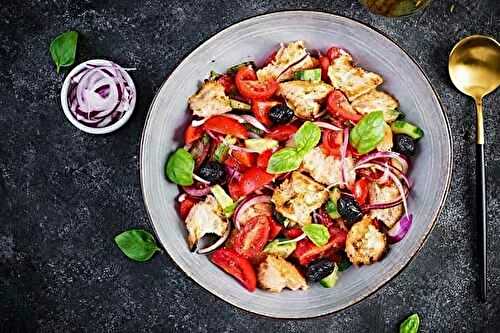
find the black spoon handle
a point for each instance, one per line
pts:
(482, 218)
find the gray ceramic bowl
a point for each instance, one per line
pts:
(254, 39)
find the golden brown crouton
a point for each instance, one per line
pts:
(275, 274)
(210, 100)
(365, 244)
(304, 97)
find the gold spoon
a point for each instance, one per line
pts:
(474, 67)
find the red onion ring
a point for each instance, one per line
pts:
(218, 243)
(400, 229)
(326, 125)
(386, 154)
(235, 147)
(254, 122)
(343, 154)
(245, 204)
(197, 191)
(201, 180)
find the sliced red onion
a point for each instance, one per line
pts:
(99, 95)
(385, 205)
(245, 204)
(386, 154)
(254, 122)
(213, 136)
(321, 114)
(197, 191)
(400, 229)
(395, 171)
(181, 197)
(198, 123)
(294, 240)
(218, 243)
(201, 180)
(394, 178)
(235, 117)
(235, 147)
(343, 154)
(326, 125)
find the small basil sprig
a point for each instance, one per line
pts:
(137, 244)
(368, 132)
(317, 233)
(290, 158)
(180, 166)
(63, 49)
(410, 325)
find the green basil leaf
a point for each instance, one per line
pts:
(63, 49)
(368, 132)
(307, 137)
(317, 233)
(137, 244)
(410, 325)
(180, 167)
(284, 160)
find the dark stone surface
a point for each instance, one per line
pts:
(64, 194)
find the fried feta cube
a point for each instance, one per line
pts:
(384, 194)
(297, 197)
(327, 169)
(204, 218)
(275, 274)
(365, 244)
(351, 80)
(210, 100)
(304, 97)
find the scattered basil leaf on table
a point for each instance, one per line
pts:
(317, 233)
(290, 158)
(307, 137)
(410, 325)
(368, 132)
(180, 166)
(63, 49)
(137, 244)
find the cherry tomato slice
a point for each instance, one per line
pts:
(234, 189)
(226, 125)
(338, 105)
(324, 63)
(192, 134)
(260, 109)
(237, 266)
(306, 251)
(361, 190)
(253, 236)
(275, 229)
(331, 142)
(244, 158)
(263, 159)
(186, 205)
(254, 179)
(292, 233)
(228, 82)
(282, 132)
(250, 88)
(333, 53)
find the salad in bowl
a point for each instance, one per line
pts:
(294, 170)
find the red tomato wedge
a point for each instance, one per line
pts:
(331, 142)
(292, 233)
(361, 190)
(306, 251)
(275, 229)
(237, 266)
(234, 189)
(333, 53)
(338, 105)
(192, 134)
(260, 109)
(253, 89)
(324, 63)
(244, 158)
(254, 179)
(282, 132)
(263, 159)
(228, 82)
(253, 236)
(186, 205)
(226, 125)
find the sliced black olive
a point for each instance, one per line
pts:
(318, 270)
(404, 144)
(280, 114)
(212, 171)
(349, 209)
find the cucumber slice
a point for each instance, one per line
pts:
(235, 104)
(235, 68)
(309, 75)
(331, 279)
(260, 145)
(404, 127)
(224, 200)
(283, 250)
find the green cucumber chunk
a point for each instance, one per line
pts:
(404, 127)
(331, 280)
(224, 200)
(309, 74)
(280, 249)
(260, 145)
(238, 105)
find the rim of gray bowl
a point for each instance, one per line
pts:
(397, 269)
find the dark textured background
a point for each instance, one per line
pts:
(64, 194)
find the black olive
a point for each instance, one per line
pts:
(280, 114)
(404, 144)
(212, 171)
(280, 218)
(319, 270)
(349, 209)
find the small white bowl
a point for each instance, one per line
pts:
(83, 127)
